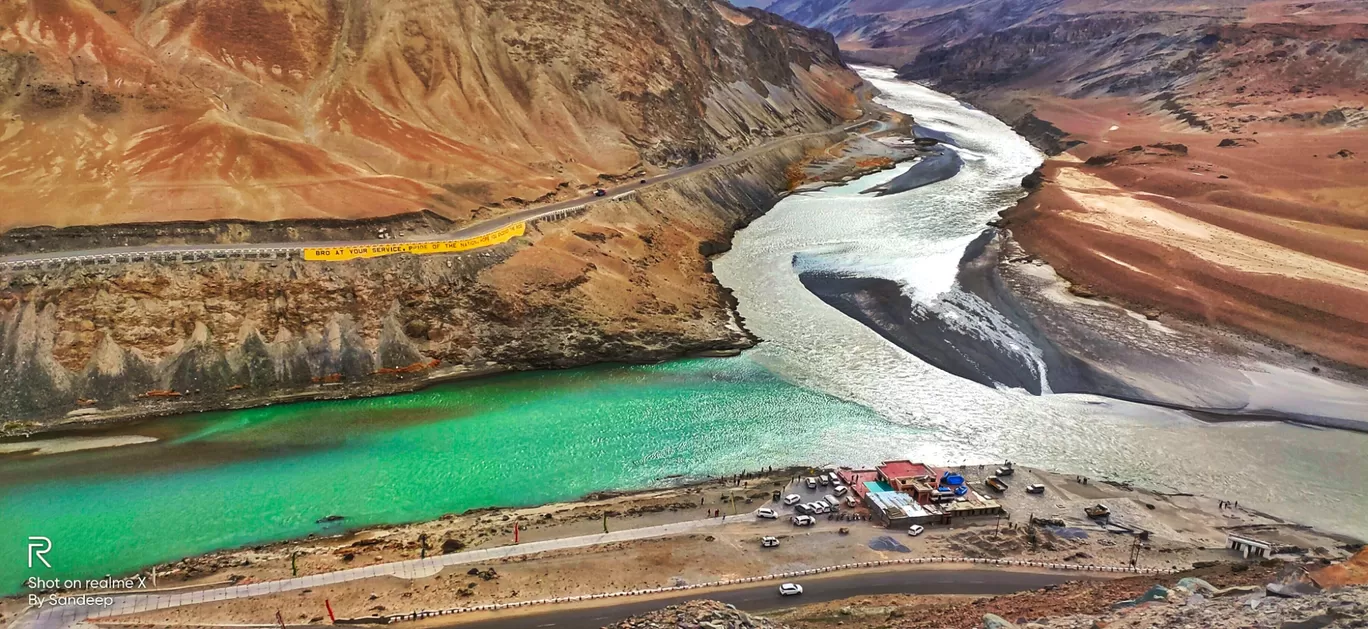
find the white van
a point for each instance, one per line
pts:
(812, 482)
(840, 490)
(824, 480)
(833, 501)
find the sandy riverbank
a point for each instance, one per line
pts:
(1090, 346)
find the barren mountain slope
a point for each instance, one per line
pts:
(113, 111)
(893, 32)
(117, 117)
(1215, 164)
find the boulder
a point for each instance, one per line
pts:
(1278, 589)
(1314, 622)
(1156, 593)
(1239, 590)
(994, 621)
(1193, 584)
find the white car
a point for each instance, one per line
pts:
(811, 482)
(769, 542)
(792, 499)
(766, 513)
(824, 480)
(839, 490)
(804, 520)
(915, 530)
(790, 589)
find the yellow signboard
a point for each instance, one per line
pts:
(340, 254)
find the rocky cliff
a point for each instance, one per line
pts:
(130, 123)
(113, 111)
(627, 280)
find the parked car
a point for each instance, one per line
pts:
(792, 499)
(769, 542)
(833, 501)
(766, 513)
(821, 507)
(790, 589)
(804, 520)
(824, 480)
(915, 530)
(852, 502)
(1005, 470)
(1035, 489)
(840, 490)
(812, 482)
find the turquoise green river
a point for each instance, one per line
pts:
(228, 479)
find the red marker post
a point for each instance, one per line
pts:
(331, 617)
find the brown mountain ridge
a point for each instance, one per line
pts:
(113, 111)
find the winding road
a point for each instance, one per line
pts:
(766, 597)
(63, 616)
(278, 250)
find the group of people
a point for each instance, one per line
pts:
(737, 480)
(1232, 505)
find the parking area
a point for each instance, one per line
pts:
(813, 501)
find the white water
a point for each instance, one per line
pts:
(918, 238)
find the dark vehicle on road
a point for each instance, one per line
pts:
(600, 192)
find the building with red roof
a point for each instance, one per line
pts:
(916, 479)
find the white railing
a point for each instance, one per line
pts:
(418, 615)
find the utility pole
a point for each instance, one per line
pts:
(294, 566)
(422, 546)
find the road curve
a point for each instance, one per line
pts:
(766, 597)
(287, 249)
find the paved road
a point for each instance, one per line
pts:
(66, 616)
(285, 249)
(766, 597)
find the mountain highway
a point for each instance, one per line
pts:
(766, 597)
(277, 250)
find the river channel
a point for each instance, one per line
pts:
(821, 389)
